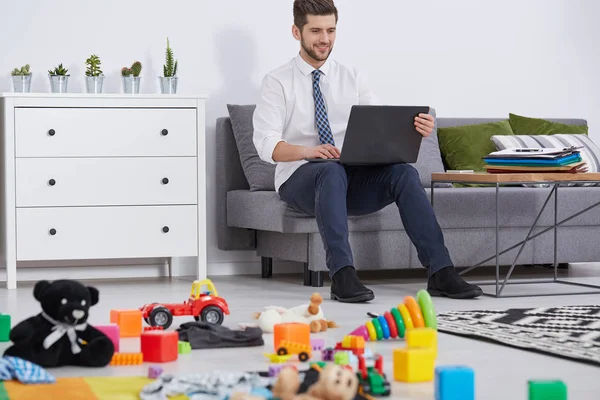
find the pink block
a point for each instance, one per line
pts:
(361, 331)
(317, 344)
(112, 331)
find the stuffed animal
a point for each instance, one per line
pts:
(60, 335)
(310, 313)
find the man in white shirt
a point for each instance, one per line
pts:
(302, 113)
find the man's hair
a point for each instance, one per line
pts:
(313, 7)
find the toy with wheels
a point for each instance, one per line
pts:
(204, 306)
(411, 313)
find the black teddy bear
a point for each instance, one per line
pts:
(60, 334)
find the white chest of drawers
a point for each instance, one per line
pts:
(101, 177)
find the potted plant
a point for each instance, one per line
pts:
(131, 78)
(21, 79)
(58, 79)
(168, 82)
(93, 75)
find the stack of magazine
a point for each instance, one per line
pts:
(515, 160)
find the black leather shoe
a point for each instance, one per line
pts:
(447, 282)
(347, 288)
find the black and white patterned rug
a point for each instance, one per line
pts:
(571, 332)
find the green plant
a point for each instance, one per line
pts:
(125, 71)
(23, 71)
(136, 68)
(60, 70)
(170, 68)
(93, 66)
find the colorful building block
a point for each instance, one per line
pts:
(129, 321)
(154, 371)
(454, 382)
(160, 346)
(317, 344)
(327, 354)
(341, 358)
(422, 337)
(4, 327)
(127, 359)
(184, 347)
(275, 369)
(414, 365)
(547, 390)
(153, 328)
(291, 332)
(112, 331)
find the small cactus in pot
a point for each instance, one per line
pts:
(168, 82)
(59, 79)
(21, 78)
(131, 78)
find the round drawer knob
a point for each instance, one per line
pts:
(51, 132)
(165, 229)
(165, 180)
(164, 132)
(51, 182)
(53, 231)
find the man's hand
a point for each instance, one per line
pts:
(424, 124)
(322, 151)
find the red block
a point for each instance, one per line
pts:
(160, 346)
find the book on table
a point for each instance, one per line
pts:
(513, 160)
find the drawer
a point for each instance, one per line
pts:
(82, 132)
(44, 182)
(106, 232)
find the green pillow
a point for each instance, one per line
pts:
(537, 126)
(463, 147)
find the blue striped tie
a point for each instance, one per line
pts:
(325, 135)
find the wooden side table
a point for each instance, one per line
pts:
(496, 180)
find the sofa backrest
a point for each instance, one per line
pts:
(230, 176)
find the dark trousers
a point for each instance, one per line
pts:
(330, 192)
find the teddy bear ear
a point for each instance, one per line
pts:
(39, 289)
(94, 294)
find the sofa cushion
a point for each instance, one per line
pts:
(456, 208)
(260, 174)
(463, 147)
(537, 126)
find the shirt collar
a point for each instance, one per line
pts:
(308, 69)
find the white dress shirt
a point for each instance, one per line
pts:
(285, 110)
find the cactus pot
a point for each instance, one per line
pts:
(93, 84)
(22, 83)
(131, 84)
(58, 83)
(168, 84)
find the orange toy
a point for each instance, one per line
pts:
(129, 321)
(160, 346)
(415, 312)
(293, 332)
(127, 359)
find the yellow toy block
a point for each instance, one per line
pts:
(414, 365)
(422, 337)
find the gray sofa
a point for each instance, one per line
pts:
(257, 220)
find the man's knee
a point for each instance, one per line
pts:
(405, 172)
(331, 172)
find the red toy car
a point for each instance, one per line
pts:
(203, 306)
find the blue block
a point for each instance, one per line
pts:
(454, 382)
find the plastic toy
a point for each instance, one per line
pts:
(203, 306)
(291, 332)
(127, 359)
(454, 382)
(547, 390)
(356, 344)
(422, 337)
(160, 346)
(317, 344)
(409, 314)
(277, 359)
(414, 365)
(129, 321)
(154, 371)
(112, 331)
(153, 328)
(184, 347)
(4, 327)
(276, 368)
(304, 351)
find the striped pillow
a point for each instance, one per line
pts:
(590, 153)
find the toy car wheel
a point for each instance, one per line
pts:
(282, 351)
(303, 356)
(366, 388)
(160, 316)
(212, 315)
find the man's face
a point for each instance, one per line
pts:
(318, 36)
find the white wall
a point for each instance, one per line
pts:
(465, 57)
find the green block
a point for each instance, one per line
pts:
(4, 327)
(341, 358)
(320, 364)
(547, 390)
(184, 347)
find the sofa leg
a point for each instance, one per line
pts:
(267, 267)
(312, 278)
